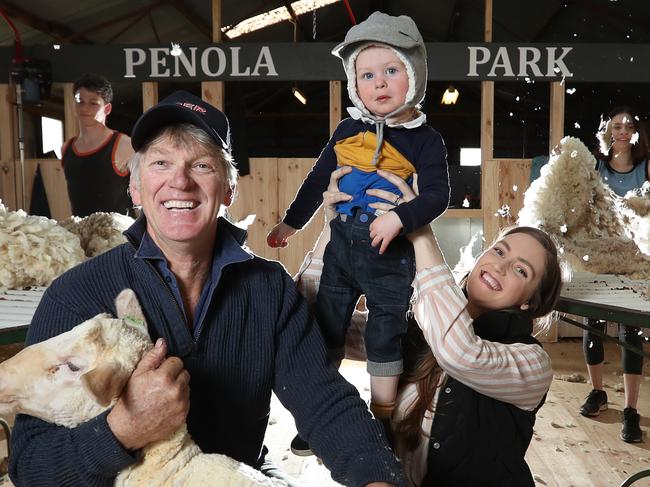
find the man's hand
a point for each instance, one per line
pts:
(155, 401)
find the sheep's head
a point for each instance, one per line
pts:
(73, 377)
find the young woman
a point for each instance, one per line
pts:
(467, 401)
(623, 164)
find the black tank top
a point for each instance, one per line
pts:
(94, 182)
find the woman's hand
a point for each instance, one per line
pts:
(408, 194)
(332, 195)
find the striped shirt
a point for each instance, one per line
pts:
(519, 374)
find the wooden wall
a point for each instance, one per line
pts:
(504, 182)
(267, 192)
(56, 189)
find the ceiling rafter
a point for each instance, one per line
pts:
(107, 23)
(57, 31)
(193, 19)
(128, 27)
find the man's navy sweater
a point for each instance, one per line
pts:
(257, 337)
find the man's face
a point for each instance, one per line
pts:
(90, 107)
(181, 191)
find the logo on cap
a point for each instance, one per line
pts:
(192, 106)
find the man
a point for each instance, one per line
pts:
(234, 321)
(95, 161)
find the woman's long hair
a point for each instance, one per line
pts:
(421, 369)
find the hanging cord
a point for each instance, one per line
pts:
(313, 26)
(350, 12)
(18, 59)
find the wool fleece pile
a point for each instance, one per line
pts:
(597, 230)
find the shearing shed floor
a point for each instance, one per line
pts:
(567, 450)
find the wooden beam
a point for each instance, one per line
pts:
(7, 139)
(130, 25)
(487, 152)
(69, 118)
(194, 19)
(149, 94)
(556, 116)
(7, 147)
(216, 21)
(487, 34)
(115, 20)
(487, 130)
(213, 91)
(335, 105)
(58, 32)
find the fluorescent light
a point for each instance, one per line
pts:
(274, 16)
(450, 96)
(300, 95)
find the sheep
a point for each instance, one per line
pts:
(34, 250)
(75, 376)
(98, 232)
(598, 231)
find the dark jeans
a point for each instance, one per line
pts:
(592, 345)
(352, 267)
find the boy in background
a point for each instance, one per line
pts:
(95, 161)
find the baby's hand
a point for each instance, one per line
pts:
(384, 229)
(279, 236)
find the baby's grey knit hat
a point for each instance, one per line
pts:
(399, 33)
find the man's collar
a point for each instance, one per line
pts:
(229, 244)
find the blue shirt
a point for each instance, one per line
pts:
(148, 250)
(622, 182)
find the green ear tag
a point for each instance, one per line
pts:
(133, 321)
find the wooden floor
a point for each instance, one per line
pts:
(571, 450)
(567, 450)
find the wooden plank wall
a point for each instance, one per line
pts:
(56, 188)
(504, 183)
(267, 192)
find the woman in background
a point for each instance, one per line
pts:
(623, 165)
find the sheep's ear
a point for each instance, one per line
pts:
(105, 382)
(128, 306)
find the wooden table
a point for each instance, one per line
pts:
(607, 297)
(613, 298)
(17, 307)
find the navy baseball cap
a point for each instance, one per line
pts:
(182, 107)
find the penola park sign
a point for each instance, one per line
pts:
(313, 61)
